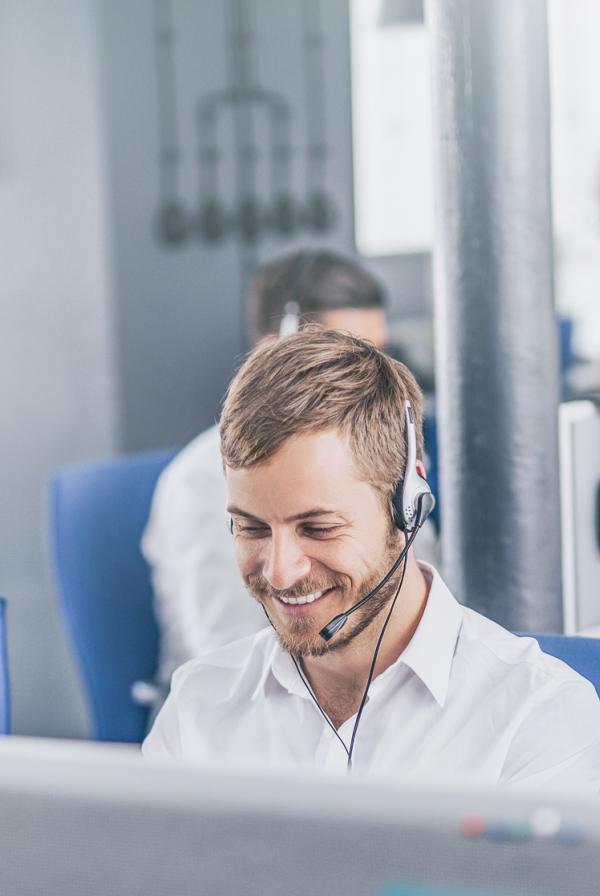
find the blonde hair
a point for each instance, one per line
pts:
(320, 379)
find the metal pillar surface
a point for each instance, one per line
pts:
(496, 330)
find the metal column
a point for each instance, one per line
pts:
(496, 331)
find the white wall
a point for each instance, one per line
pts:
(57, 402)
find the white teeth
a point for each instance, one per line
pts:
(305, 599)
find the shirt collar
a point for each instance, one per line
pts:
(429, 653)
(431, 649)
(286, 672)
(280, 664)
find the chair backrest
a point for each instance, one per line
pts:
(582, 654)
(97, 515)
(4, 678)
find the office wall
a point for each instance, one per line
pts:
(178, 310)
(57, 402)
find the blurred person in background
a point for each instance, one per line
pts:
(200, 599)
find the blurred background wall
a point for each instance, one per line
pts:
(57, 360)
(177, 310)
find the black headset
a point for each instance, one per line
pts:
(412, 502)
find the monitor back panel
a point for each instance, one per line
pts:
(111, 832)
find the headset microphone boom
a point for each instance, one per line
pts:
(412, 502)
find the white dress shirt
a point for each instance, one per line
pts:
(466, 697)
(200, 599)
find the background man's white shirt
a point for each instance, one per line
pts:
(466, 697)
(200, 599)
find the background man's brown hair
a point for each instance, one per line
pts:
(316, 280)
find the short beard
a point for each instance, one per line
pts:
(299, 637)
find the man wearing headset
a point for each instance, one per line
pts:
(370, 663)
(200, 601)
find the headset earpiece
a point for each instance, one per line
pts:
(425, 505)
(290, 322)
(412, 500)
(397, 514)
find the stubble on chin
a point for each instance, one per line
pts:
(300, 638)
(300, 635)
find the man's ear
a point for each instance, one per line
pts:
(420, 466)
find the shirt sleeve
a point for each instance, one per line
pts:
(558, 744)
(164, 739)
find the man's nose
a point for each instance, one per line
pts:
(286, 563)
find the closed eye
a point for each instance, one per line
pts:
(251, 531)
(319, 531)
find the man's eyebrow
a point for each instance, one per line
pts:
(317, 511)
(305, 515)
(235, 511)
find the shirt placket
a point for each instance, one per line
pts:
(330, 753)
(363, 742)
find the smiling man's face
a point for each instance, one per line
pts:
(311, 538)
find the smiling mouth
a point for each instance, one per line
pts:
(305, 598)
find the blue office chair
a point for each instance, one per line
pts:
(97, 515)
(582, 654)
(4, 678)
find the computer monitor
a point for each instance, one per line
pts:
(98, 821)
(579, 431)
